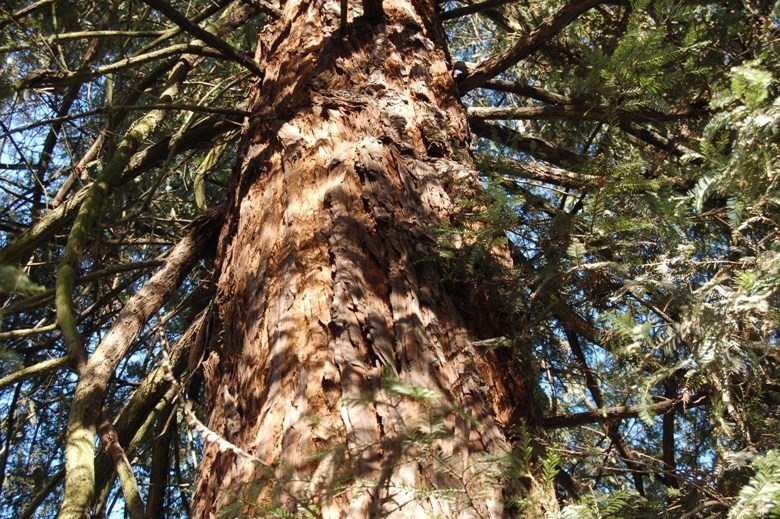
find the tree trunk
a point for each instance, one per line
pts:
(346, 373)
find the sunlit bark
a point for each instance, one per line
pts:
(332, 302)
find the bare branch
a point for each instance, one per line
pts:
(538, 171)
(607, 114)
(98, 369)
(108, 437)
(119, 108)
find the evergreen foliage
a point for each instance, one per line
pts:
(634, 183)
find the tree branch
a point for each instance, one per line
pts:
(232, 112)
(606, 114)
(525, 45)
(35, 369)
(133, 501)
(471, 9)
(535, 147)
(97, 371)
(522, 90)
(538, 171)
(622, 412)
(207, 37)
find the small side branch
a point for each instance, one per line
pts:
(208, 38)
(622, 412)
(526, 45)
(35, 369)
(471, 9)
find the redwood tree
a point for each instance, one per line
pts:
(389, 259)
(329, 290)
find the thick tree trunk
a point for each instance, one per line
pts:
(346, 372)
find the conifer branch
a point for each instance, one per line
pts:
(534, 146)
(204, 35)
(623, 412)
(525, 45)
(605, 114)
(472, 9)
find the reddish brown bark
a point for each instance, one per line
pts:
(329, 287)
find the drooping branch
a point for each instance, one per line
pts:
(525, 45)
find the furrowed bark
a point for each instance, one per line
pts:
(345, 365)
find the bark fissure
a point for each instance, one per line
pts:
(355, 374)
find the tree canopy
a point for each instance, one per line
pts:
(629, 154)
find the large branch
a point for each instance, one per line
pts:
(526, 45)
(95, 375)
(145, 400)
